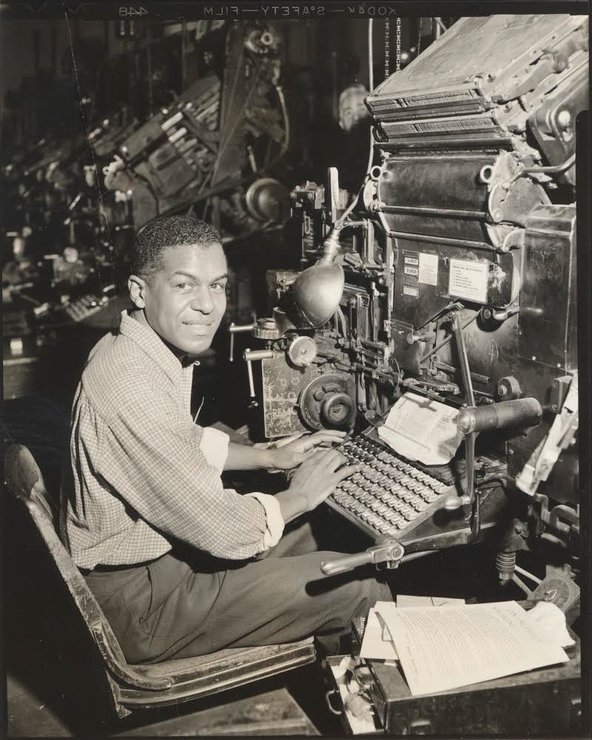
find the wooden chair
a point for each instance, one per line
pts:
(130, 685)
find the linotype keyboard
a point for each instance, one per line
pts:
(389, 495)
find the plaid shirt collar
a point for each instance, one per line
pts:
(153, 346)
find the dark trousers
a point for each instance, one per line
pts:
(175, 608)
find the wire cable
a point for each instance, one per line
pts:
(282, 99)
(370, 55)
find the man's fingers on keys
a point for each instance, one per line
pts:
(334, 459)
(346, 470)
(325, 438)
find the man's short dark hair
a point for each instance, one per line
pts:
(168, 231)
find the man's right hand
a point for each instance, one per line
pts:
(319, 475)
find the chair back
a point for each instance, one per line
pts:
(147, 685)
(25, 481)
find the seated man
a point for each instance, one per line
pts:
(180, 565)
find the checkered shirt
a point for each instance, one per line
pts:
(138, 473)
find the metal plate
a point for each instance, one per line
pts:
(282, 385)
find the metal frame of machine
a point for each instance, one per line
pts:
(452, 273)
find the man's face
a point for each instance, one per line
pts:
(185, 301)
(351, 107)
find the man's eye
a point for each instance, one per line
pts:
(183, 286)
(218, 287)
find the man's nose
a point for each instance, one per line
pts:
(202, 301)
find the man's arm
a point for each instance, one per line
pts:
(156, 465)
(285, 457)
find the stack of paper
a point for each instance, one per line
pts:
(377, 643)
(453, 646)
(421, 429)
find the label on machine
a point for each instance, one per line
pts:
(468, 280)
(428, 268)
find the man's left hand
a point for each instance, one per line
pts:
(292, 454)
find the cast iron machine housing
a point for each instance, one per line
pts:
(452, 274)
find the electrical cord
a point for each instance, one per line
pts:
(286, 142)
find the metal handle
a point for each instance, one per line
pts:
(520, 412)
(328, 695)
(389, 552)
(251, 356)
(348, 562)
(236, 329)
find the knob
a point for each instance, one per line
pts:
(302, 351)
(452, 503)
(508, 388)
(337, 410)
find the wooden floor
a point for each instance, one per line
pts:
(272, 712)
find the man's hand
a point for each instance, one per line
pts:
(294, 453)
(318, 476)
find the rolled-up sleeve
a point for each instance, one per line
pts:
(214, 445)
(155, 463)
(274, 519)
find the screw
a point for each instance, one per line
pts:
(564, 118)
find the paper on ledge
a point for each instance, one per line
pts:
(421, 429)
(453, 646)
(377, 643)
(404, 602)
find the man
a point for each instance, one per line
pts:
(180, 565)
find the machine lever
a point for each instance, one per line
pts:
(250, 356)
(389, 552)
(236, 329)
(470, 436)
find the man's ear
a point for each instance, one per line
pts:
(137, 288)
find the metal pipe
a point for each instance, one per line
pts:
(470, 438)
(443, 240)
(440, 27)
(401, 145)
(553, 169)
(521, 412)
(427, 211)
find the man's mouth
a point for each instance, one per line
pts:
(198, 327)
